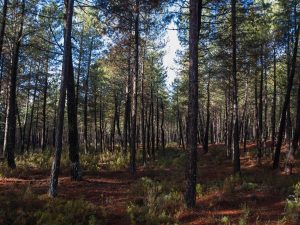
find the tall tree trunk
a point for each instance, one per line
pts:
(143, 113)
(205, 144)
(85, 107)
(286, 102)
(3, 25)
(260, 110)
(162, 130)
(191, 144)
(274, 102)
(95, 123)
(152, 123)
(157, 123)
(44, 141)
(72, 124)
(79, 66)
(67, 61)
(128, 102)
(10, 125)
(236, 150)
(28, 142)
(135, 90)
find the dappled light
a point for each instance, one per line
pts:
(149, 112)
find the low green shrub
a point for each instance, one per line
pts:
(25, 207)
(292, 208)
(230, 183)
(158, 203)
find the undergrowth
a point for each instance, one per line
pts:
(25, 207)
(157, 203)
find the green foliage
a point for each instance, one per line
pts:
(90, 162)
(292, 208)
(230, 183)
(225, 220)
(243, 220)
(171, 158)
(63, 212)
(159, 204)
(199, 190)
(248, 186)
(24, 207)
(114, 160)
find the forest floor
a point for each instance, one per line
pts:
(258, 198)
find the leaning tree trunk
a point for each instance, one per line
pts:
(191, 144)
(286, 102)
(10, 125)
(69, 6)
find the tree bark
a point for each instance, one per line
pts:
(67, 60)
(273, 118)
(85, 107)
(205, 144)
(135, 92)
(236, 150)
(286, 102)
(3, 22)
(191, 144)
(10, 125)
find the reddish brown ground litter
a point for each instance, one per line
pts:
(111, 190)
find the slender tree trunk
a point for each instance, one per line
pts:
(162, 130)
(135, 94)
(157, 123)
(152, 123)
(95, 123)
(67, 61)
(236, 150)
(44, 141)
(28, 142)
(274, 103)
(10, 125)
(143, 113)
(3, 25)
(260, 110)
(205, 144)
(85, 107)
(79, 67)
(286, 103)
(191, 163)
(128, 102)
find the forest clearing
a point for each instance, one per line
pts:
(149, 112)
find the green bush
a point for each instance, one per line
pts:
(63, 212)
(292, 208)
(199, 190)
(230, 183)
(24, 207)
(159, 204)
(114, 160)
